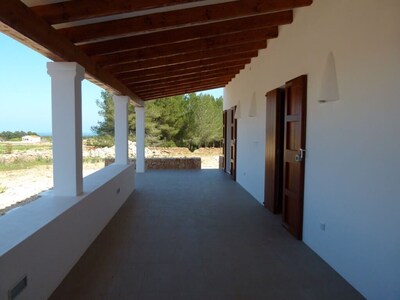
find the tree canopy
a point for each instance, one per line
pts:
(189, 120)
(15, 135)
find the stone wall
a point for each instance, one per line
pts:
(168, 163)
(221, 162)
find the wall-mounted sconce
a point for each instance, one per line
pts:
(329, 90)
(237, 111)
(253, 106)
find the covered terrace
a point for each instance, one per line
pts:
(144, 50)
(198, 235)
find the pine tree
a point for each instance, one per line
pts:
(190, 120)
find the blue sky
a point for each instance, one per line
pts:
(25, 102)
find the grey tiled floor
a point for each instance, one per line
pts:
(198, 235)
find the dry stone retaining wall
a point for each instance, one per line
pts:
(169, 163)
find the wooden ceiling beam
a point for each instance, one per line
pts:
(182, 58)
(174, 19)
(161, 86)
(18, 21)
(234, 39)
(158, 88)
(184, 68)
(194, 63)
(70, 11)
(180, 91)
(183, 79)
(190, 88)
(178, 75)
(268, 22)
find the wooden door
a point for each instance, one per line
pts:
(225, 116)
(274, 151)
(294, 155)
(233, 143)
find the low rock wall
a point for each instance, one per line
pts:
(168, 163)
(221, 162)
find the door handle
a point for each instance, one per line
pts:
(300, 155)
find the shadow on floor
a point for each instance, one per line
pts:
(198, 235)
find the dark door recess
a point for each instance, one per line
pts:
(274, 150)
(225, 115)
(233, 143)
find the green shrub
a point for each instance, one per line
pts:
(21, 164)
(2, 189)
(93, 160)
(101, 141)
(8, 149)
(166, 143)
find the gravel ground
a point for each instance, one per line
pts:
(23, 186)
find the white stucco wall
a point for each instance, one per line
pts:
(352, 162)
(44, 239)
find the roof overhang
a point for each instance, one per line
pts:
(149, 49)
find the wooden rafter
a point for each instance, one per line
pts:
(187, 34)
(187, 57)
(183, 89)
(151, 90)
(17, 20)
(180, 91)
(173, 19)
(194, 63)
(204, 73)
(226, 40)
(134, 48)
(70, 11)
(178, 74)
(163, 86)
(185, 68)
(216, 73)
(182, 80)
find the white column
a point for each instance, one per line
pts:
(66, 95)
(140, 163)
(121, 129)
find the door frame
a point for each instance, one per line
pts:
(287, 157)
(227, 146)
(230, 144)
(224, 138)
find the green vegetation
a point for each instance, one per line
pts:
(93, 160)
(21, 164)
(2, 189)
(100, 141)
(190, 120)
(46, 139)
(105, 128)
(14, 135)
(7, 148)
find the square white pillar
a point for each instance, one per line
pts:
(66, 102)
(121, 129)
(140, 134)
